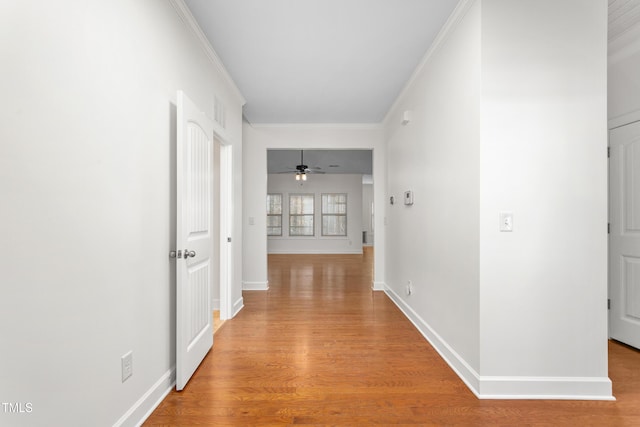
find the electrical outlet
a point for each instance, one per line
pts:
(127, 365)
(409, 287)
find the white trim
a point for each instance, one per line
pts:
(307, 126)
(237, 306)
(313, 252)
(226, 205)
(255, 286)
(466, 373)
(144, 407)
(488, 387)
(378, 286)
(556, 388)
(452, 22)
(185, 14)
(215, 305)
(221, 133)
(625, 119)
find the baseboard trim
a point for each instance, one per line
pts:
(255, 286)
(378, 286)
(237, 306)
(548, 388)
(492, 387)
(466, 373)
(216, 304)
(142, 409)
(313, 252)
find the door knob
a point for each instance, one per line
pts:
(188, 253)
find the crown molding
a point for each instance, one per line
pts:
(185, 14)
(309, 126)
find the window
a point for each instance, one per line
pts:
(274, 214)
(334, 214)
(301, 215)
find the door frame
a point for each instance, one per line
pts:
(225, 214)
(373, 144)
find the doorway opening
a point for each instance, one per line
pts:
(320, 202)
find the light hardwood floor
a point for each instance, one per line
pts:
(320, 348)
(217, 323)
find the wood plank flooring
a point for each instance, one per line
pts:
(320, 348)
(217, 323)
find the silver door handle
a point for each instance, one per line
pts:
(188, 253)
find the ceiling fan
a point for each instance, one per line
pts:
(302, 170)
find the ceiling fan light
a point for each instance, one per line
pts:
(304, 176)
(297, 176)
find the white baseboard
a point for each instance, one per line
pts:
(466, 373)
(142, 409)
(216, 304)
(313, 252)
(237, 306)
(255, 286)
(378, 286)
(550, 388)
(489, 387)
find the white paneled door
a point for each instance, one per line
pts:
(624, 237)
(194, 330)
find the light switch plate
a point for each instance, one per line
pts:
(506, 221)
(408, 197)
(127, 365)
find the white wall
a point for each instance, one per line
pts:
(87, 162)
(257, 139)
(435, 242)
(317, 184)
(544, 286)
(509, 115)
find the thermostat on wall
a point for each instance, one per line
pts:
(408, 197)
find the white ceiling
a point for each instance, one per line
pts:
(320, 61)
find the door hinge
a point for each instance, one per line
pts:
(608, 228)
(609, 304)
(228, 239)
(608, 152)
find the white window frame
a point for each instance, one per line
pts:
(324, 214)
(270, 214)
(292, 215)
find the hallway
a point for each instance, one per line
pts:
(321, 348)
